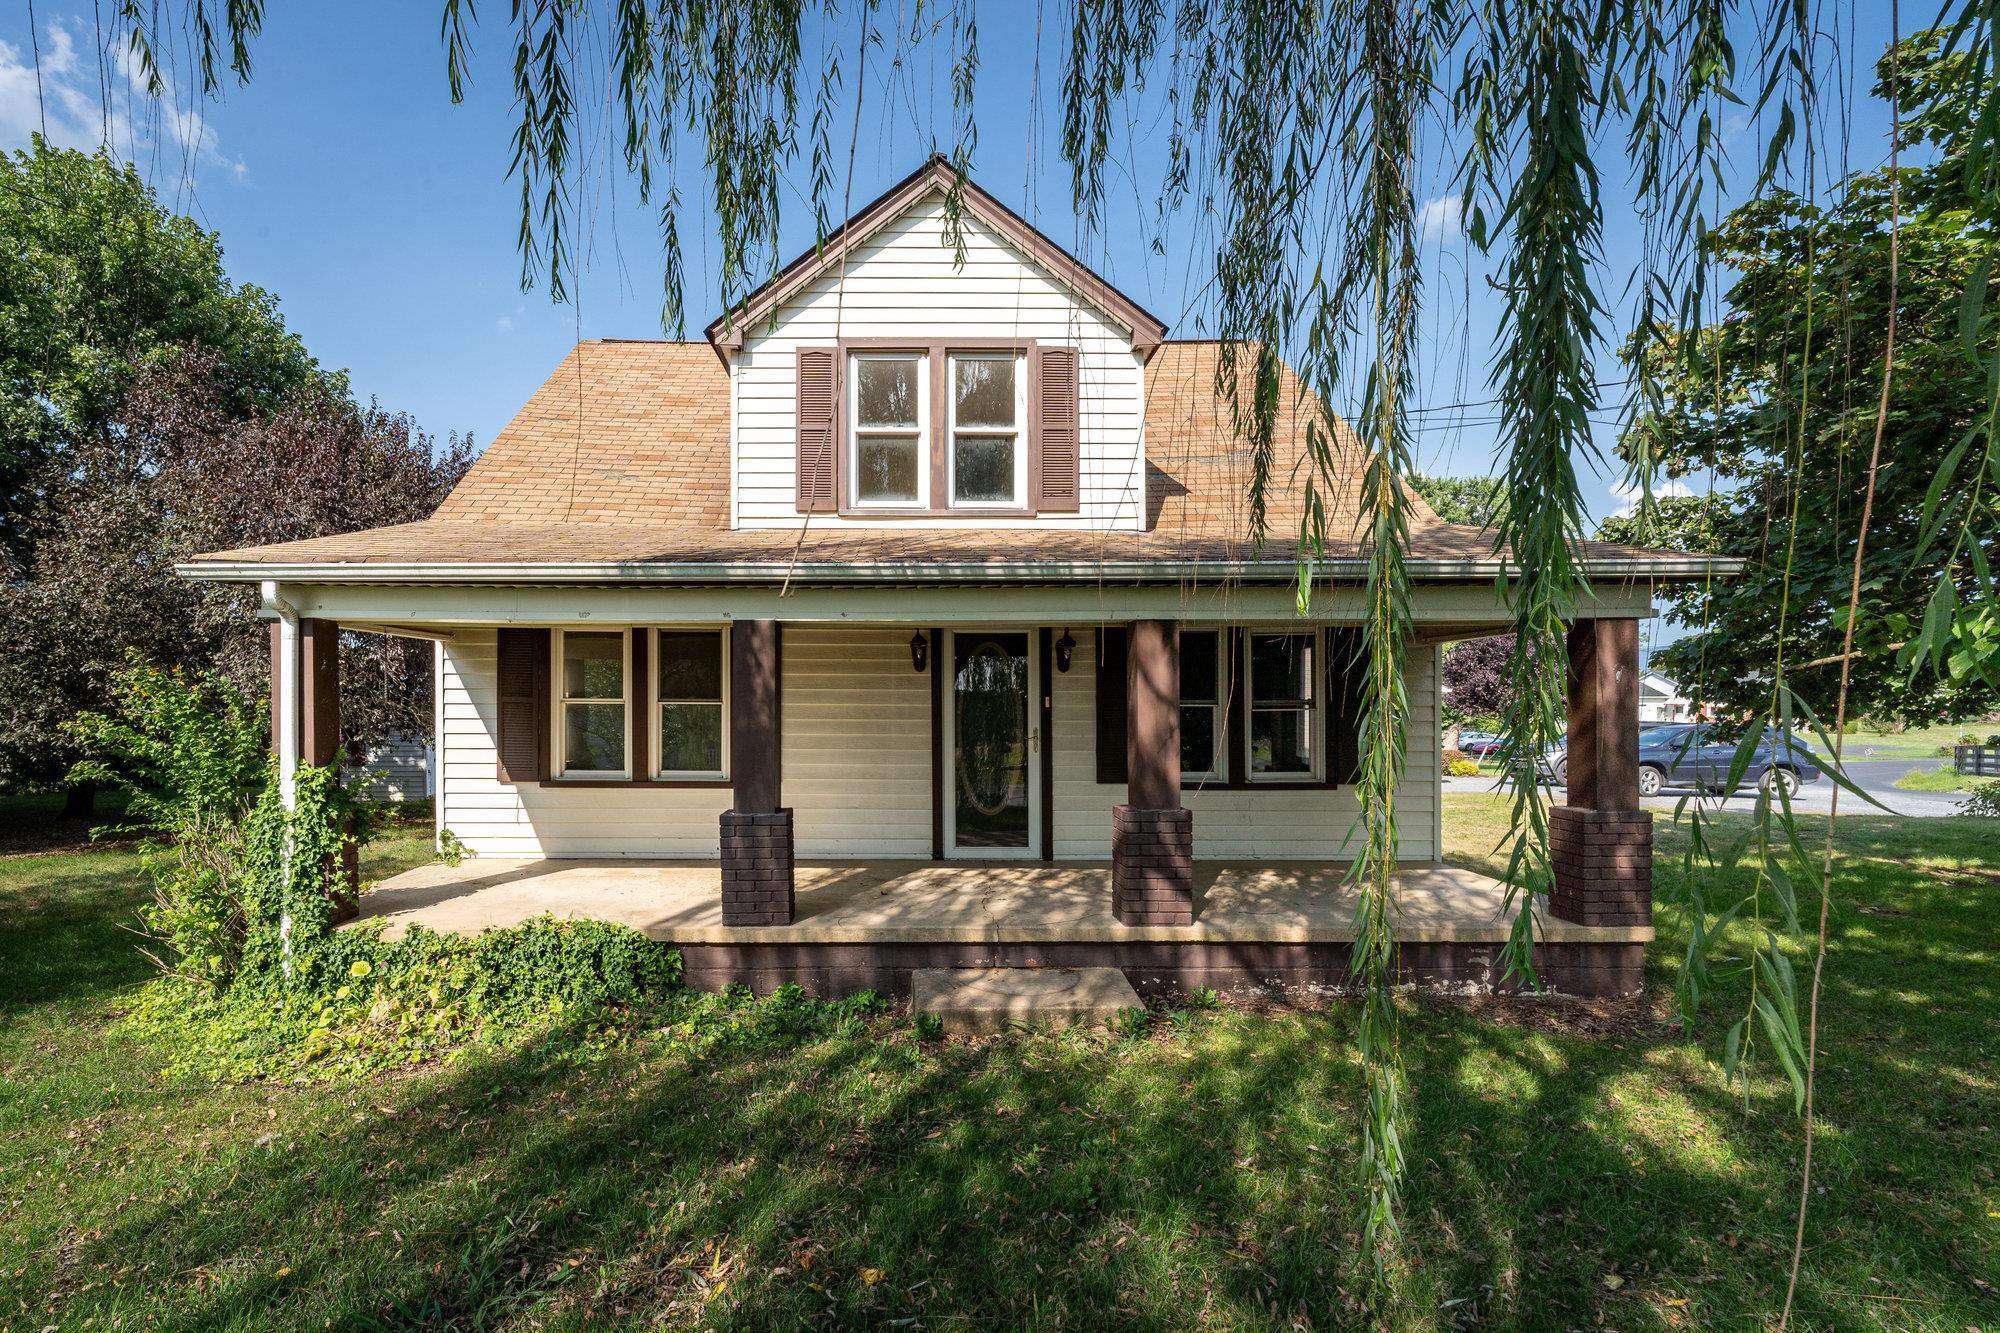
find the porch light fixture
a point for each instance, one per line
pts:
(920, 651)
(1065, 649)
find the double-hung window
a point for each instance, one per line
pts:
(988, 466)
(1283, 735)
(593, 669)
(691, 712)
(1202, 693)
(889, 465)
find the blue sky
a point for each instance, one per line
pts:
(344, 180)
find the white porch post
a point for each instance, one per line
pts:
(285, 676)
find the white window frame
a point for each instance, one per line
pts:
(1219, 740)
(921, 434)
(655, 702)
(562, 701)
(1019, 498)
(1316, 713)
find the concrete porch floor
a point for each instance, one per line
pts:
(960, 902)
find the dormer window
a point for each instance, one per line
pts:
(988, 465)
(978, 428)
(891, 454)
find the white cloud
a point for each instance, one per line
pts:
(1627, 495)
(1442, 219)
(68, 103)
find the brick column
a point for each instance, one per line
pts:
(1601, 842)
(756, 831)
(1152, 834)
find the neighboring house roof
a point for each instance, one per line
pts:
(937, 175)
(619, 467)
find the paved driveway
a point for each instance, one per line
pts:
(1877, 777)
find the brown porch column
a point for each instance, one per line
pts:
(756, 830)
(1152, 834)
(318, 696)
(1601, 842)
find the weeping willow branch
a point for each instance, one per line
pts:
(1846, 667)
(1534, 99)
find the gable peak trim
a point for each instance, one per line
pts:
(726, 332)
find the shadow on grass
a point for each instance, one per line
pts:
(1204, 1176)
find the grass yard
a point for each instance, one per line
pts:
(1940, 779)
(1570, 1167)
(1913, 742)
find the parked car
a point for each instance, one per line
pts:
(1480, 743)
(1699, 755)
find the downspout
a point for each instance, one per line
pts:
(287, 742)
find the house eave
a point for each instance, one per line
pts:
(824, 574)
(727, 331)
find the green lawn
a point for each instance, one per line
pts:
(1939, 779)
(1571, 1166)
(1913, 743)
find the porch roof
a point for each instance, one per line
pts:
(960, 902)
(443, 550)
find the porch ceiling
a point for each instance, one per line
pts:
(880, 902)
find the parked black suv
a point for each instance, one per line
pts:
(1688, 754)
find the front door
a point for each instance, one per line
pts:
(992, 745)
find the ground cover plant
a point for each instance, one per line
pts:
(1570, 1165)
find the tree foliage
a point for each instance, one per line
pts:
(98, 283)
(178, 470)
(1782, 423)
(1476, 681)
(1478, 501)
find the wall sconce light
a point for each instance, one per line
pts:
(920, 651)
(1065, 649)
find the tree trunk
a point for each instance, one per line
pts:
(80, 801)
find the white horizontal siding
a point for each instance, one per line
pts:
(499, 819)
(857, 770)
(856, 742)
(1273, 825)
(905, 284)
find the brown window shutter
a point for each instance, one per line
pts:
(1112, 652)
(638, 715)
(523, 713)
(1057, 487)
(1346, 696)
(818, 404)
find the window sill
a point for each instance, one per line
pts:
(965, 511)
(663, 783)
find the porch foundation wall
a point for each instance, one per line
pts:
(1163, 969)
(757, 869)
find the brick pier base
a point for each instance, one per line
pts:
(1152, 866)
(1603, 864)
(757, 869)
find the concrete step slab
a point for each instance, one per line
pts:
(981, 1000)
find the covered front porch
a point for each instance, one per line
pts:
(867, 924)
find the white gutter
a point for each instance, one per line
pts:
(712, 573)
(287, 741)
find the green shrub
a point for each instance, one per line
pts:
(258, 983)
(189, 753)
(1982, 800)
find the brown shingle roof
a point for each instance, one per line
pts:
(621, 432)
(622, 458)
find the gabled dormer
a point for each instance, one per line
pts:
(888, 380)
